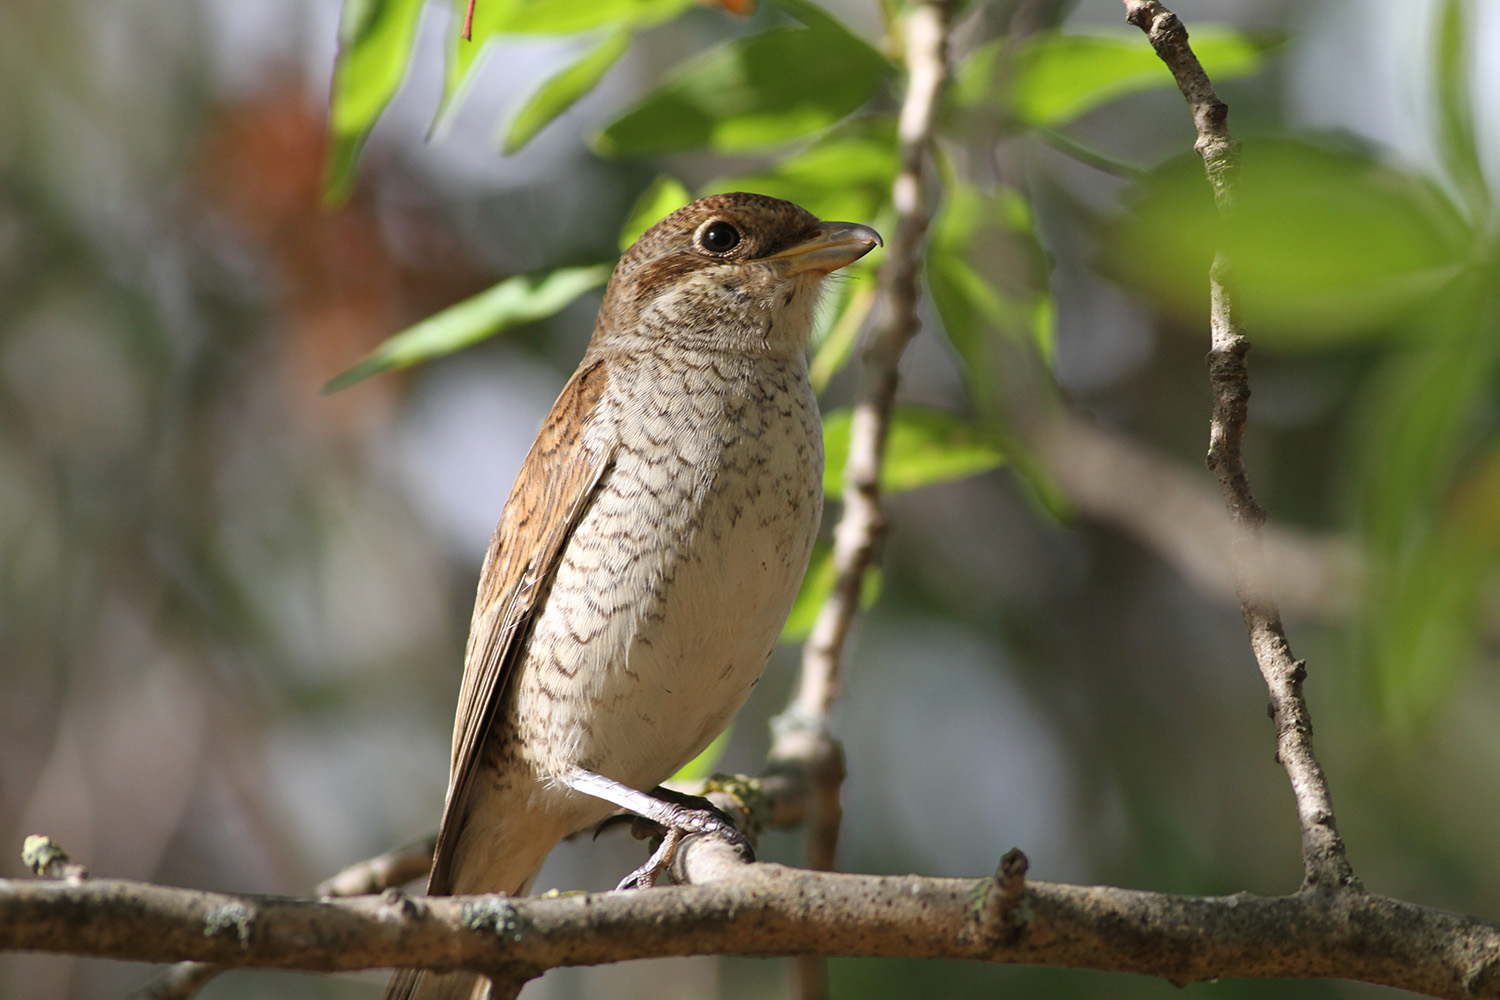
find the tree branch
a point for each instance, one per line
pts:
(1168, 507)
(802, 742)
(801, 736)
(861, 528)
(1324, 860)
(764, 909)
(393, 868)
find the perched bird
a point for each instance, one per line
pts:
(650, 550)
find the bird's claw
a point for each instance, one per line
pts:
(649, 874)
(700, 818)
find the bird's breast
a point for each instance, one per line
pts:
(673, 589)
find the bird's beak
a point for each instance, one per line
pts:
(831, 246)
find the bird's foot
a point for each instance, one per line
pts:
(675, 815)
(679, 817)
(650, 874)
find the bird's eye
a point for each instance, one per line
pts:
(719, 237)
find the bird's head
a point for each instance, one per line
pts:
(739, 270)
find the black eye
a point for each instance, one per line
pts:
(720, 237)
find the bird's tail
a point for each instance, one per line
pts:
(422, 984)
(419, 984)
(501, 848)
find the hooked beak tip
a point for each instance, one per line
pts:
(832, 246)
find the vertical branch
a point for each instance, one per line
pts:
(858, 534)
(802, 730)
(1324, 861)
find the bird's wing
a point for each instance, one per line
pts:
(557, 481)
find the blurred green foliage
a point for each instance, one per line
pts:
(817, 584)
(923, 447)
(1055, 77)
(761, 92)
(846, 173)
(660, 199)
(563, 90)
(1327, 243)
(1336, 249)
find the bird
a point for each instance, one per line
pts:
(649, 553)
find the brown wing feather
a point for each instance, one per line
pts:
(556, 482)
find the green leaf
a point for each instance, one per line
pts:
(1326, 243)
(496, 18)
(512, 302)
(814, 16)
(1425, 604)
(977, 229)
(375, 42)
(564, 89)
(702, 767)
(664, 196)
(977, 77)
(840, 177)
(925, 446)
(1055, 77)
(817, 584)
(835, 337)
(1429, 503)
(566, 17)
(1454, 121)
(465, 54)
(752, 94)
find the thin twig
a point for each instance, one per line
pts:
(181, 982)
(1170, 507)
(393, 868)
(859, 532)
(1089, 156)
(1324, 861)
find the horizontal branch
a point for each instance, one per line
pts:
(769, 910)
(1170, 508)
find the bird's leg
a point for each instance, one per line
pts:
(677, 814)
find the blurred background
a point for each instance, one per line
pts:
(232, 609)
